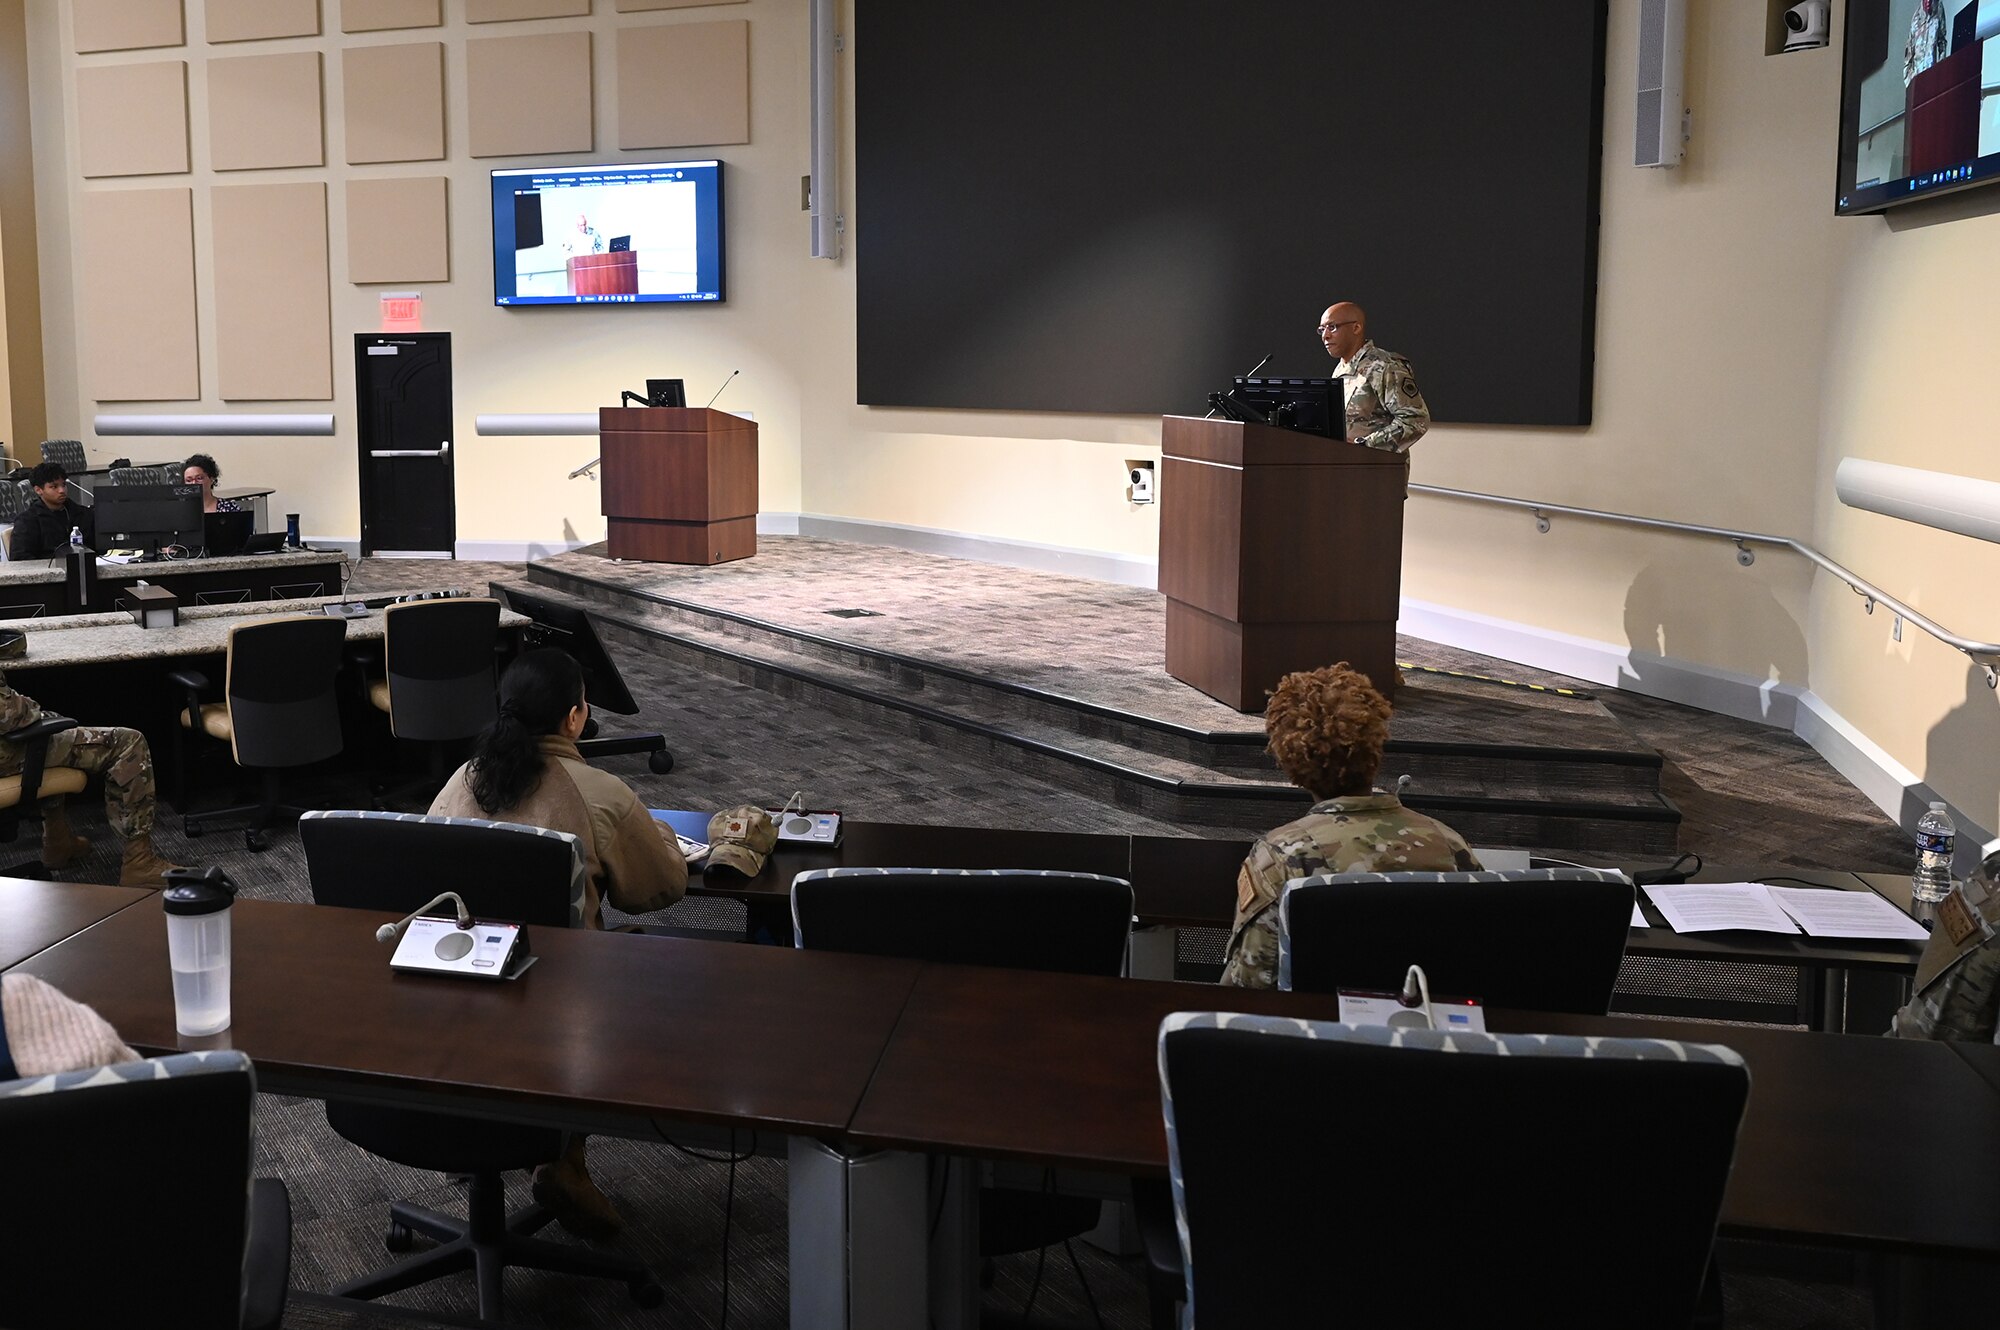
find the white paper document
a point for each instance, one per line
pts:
(1714, 906)
(1825, 912)
(1639, 917)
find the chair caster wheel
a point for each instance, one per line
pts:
(256, 842)
(398, 1238)
(646, 1293)
(660, 763)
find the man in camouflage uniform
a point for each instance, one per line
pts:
(1327, 728)
(1384, 408)
(122, 758)
(1957, 989)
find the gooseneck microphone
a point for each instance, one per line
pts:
(1259, 365)
(390, 932)
(718, 392)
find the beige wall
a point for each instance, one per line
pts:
(1747, 339)
(21, 392)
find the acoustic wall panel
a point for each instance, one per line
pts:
(506, 11)
(640, 6)
(397, 231)
(394, 97)
(135, 265)
(260, 20)
(681, 84)
(376, 15)
(126, 25)
(529, 94)
(263, 111)
(273, 339)
(132, 119)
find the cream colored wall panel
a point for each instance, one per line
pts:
(394, 97)
(260, 20)
(376, 15)
(132, 119)
(529, 94)
(126, 25)
(684, 84)
(135, 295)
(640, 6)
(264, 111)
(272, 323)
(505, 11)
(396, 231)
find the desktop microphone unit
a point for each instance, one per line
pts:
(465, 947)
(390, 932)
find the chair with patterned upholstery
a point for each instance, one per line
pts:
(502, 870)
(1541, 939)
(1473, 1181)
(1075, 923)
(66, 453)
(132, 1182)
(145, 475)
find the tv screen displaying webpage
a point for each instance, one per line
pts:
(1920, 100)
(631, 233)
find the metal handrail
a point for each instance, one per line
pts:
(1985, 654)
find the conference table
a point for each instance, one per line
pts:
(35, 914)
(36, 589)
(873, 1069)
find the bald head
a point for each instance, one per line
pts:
(1343, 328)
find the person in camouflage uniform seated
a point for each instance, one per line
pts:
(1326, 729)
(1957, 989)
(122, 758)
(1384, 408)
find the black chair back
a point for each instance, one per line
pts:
(1539, 939)
(438, 656)
(141, 1170)
(1076, 923)
(283, 709)
(1333, 1174)
(394, 862)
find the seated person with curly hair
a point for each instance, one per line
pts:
(1326, 729)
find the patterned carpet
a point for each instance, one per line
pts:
(1751, 791)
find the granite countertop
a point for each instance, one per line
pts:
(51, 569)
(79, 639)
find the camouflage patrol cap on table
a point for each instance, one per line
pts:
(739, 838)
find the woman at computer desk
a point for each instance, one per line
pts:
(201, 470)
(526, 768)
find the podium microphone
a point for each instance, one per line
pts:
(390, 932)
(1259, 365)
(718, 392)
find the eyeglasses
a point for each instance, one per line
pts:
(1329, 327)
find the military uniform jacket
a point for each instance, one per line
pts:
(1384, 408)
(1355, 833)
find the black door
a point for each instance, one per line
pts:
(402, 390)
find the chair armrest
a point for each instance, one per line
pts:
(50, 723)
(193, 680)
(267, 1265)
(35, 738)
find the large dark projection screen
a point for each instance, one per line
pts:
(1115, 205)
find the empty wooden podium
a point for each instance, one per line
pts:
(1279, 551)
(680, 484)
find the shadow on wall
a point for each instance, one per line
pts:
(1962, 755)
(1671, 620)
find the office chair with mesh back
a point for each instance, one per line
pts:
(438, 685)
(144, 1209)
(279, 710)
(1329, 1173)
(67, 453)
(1074, 923)
(502, 871)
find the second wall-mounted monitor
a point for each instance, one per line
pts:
(629, 233)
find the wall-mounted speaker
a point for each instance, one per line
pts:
(1659, 138)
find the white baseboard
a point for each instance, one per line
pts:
(514, 551)
(1123, 569)
(777, 524)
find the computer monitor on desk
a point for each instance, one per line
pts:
(149, 517)
(227, 533)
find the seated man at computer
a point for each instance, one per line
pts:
(43, 528)
(125, 761)
(1326, 729)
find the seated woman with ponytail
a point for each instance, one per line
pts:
(526, 769)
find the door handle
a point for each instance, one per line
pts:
(410, 452)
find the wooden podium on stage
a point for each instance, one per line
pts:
(1279, 551)
(680, 484)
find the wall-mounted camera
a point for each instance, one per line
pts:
(1139, 479)
(1807, 25)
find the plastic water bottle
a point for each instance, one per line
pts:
(197, 908)
(1937, 837)
(76, 539)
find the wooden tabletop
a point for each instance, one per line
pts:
(35, 915)
(604, 1023)
(1840, 1142)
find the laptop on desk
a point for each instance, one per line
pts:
(227, 533)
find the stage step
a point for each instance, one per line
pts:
(1482, 794)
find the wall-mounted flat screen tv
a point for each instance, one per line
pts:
(1920, 100)
(631, 233)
